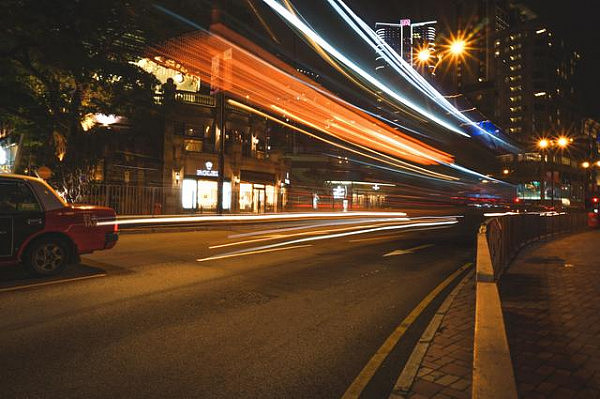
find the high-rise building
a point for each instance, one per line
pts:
(407, 38)
(536, 95)
(476, 75)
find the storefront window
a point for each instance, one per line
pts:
(189, 192)
(207, 194)
(246, 197)
(256, 197)
(529, 190)
(270, 193)
(202, 194)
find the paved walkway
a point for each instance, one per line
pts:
(447, 366)
(551, 303)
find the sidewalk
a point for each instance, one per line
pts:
(446, 369)
(551, 303)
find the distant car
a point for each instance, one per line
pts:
(41, 231)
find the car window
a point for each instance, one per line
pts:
(47, 195)
(17, 197)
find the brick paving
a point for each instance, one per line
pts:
(446, 369)
(551, 304)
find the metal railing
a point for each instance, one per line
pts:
(505, 235)
(125, 199)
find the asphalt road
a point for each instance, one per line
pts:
(276, 310)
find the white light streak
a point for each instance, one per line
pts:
(238, 218)
(330, 236)
(294, 20)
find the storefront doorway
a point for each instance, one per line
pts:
(201, 195)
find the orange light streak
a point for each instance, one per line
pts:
(263, 84)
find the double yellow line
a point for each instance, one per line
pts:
(367, 373)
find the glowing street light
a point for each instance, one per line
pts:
(562, 142)
(424, 55)
(457, 47)
(585, 164)
(543, 143)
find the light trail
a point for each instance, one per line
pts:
(383, 158)
(310, 232)
(331, 236)
(309, 226)
(243, 218)
(258, 80)
(307, 31)
(262, 251)
(401, 66)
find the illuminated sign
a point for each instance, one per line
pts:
(208, 172)
(405, 22)
(339, 192)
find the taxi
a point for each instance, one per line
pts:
(39, 230)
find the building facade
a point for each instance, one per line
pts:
(407, 38)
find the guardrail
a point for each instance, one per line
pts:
(506, 235)
(498, 241)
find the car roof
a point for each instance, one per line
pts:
(19, 177)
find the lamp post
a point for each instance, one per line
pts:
(454, 50)
(589, 175)
(551, 146)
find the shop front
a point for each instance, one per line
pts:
(199, 192)
(257, 192)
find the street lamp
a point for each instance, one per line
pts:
(457, 47)
(424, 55)
(559, 143)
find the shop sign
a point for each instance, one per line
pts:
(208, 171)
(339, 192)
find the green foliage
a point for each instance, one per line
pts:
(63, 59)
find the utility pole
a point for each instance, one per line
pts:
(220, 136)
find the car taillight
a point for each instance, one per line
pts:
(116, 227)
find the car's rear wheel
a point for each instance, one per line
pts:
(47, 257)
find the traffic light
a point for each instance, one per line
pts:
(595, 200)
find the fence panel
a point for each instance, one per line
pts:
(126, 199)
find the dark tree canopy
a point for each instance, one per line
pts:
(61, 60)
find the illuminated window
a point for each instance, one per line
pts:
(189, 192)
(246, 204)
(192, 145)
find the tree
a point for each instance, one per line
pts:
(64, 60)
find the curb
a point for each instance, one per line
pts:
(407, 376)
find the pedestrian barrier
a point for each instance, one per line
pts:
(498, 241)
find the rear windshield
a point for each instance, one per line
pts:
(47, 196)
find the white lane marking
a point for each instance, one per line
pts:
(53, 282)
(407, 251)
(231, 255)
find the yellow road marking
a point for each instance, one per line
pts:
(53, 282)
(251, 252)
(367, 373)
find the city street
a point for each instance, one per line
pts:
(166, 315)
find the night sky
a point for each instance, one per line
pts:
(574, 20)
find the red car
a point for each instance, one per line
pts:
(41, 231)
